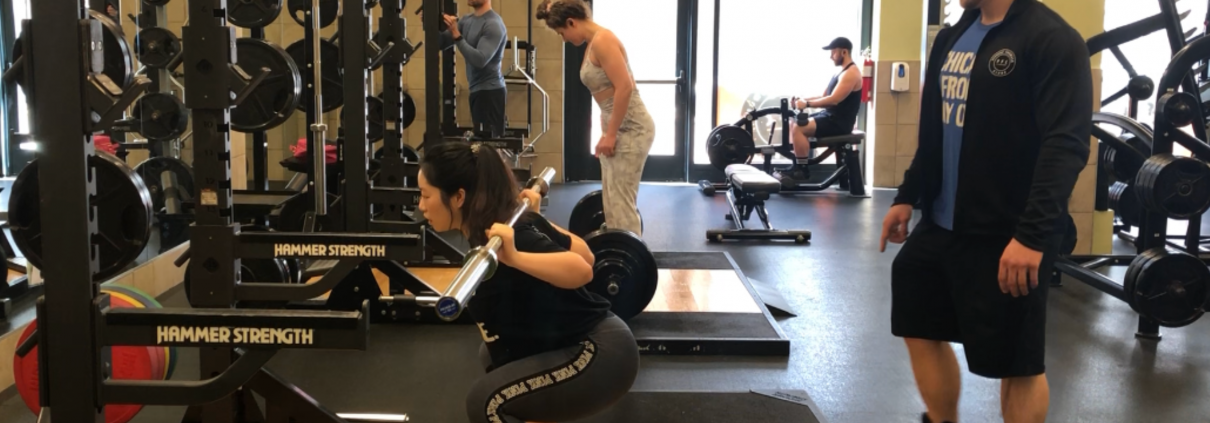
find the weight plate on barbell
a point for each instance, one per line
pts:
(253, 13)
(728, 145)
(166, 177)
(625, 272)
(333, 85)
(119, 63)
(327, 11)
(157, 47)
(277, 97)
(162, 116)
(1177, 187)
(588, 215)
(1169, 287)
(1125, 203)
(123, 214)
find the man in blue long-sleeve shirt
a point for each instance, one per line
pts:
(480, 36)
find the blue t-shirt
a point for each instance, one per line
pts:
(955, 85)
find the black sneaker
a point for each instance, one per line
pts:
(924, 418)
(791, 178)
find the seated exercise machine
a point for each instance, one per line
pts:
(733, 144)
(748, 189)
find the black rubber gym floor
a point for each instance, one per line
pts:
(842, 355)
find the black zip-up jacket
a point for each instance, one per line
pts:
(1027, 129)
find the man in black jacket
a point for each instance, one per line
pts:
(1005, 124)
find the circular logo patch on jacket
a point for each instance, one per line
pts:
(1002, 63)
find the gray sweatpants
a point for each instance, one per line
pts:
(620, 174)
(559, 385)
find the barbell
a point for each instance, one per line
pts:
(625, 271)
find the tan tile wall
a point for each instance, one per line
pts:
(895, 122)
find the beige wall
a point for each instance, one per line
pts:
(898, 33)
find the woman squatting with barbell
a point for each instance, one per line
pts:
(552, 350)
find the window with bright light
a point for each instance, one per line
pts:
(768, 50)
(1149, 55)
(20, 13)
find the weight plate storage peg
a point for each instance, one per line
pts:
(333, 84)
(123, 205)
(253, 13)
(256, 270)
(327, 11)
(625, 272)
(729, 144)
(1169, 287)
(1177, 187)
(166, 177)
(157, 47)
(162, 116)
(588, 215)
(277, 97)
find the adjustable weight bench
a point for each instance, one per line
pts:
(748, 189)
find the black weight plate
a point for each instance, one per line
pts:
(625, 272)
(119, 63)
(374, 122)
(1177, 187)
(165, 178)
(327, 11)
(1171, 288)
(1125, 203)
(123, 216)
(292, 213)
(409, 154)
(588, 215)
(163, 117)
(1121, 165)
(157, 47)
(277, 97)
(253, 13)
(729, 144)
(409, 110)
(333, 85)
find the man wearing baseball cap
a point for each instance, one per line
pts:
(840, 104)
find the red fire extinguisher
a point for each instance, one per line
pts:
(867, 78)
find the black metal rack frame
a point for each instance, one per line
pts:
(1154, 226)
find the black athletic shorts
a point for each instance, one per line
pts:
(827, 125)
(487, 110)
(945, 287)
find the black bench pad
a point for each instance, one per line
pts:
(749, 179)
(855, 138)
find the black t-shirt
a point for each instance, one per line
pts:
(520, 315)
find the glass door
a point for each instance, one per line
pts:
(657, 47)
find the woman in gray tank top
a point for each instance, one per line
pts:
(627, 128)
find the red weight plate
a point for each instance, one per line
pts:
(151, 302)
(145, 301)
(129, 363)
(121, 299)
